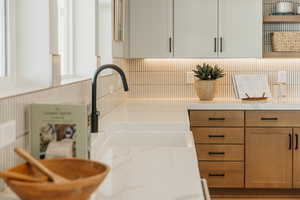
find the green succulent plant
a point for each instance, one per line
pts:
(208, 72)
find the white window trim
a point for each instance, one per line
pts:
(10, 78)
(68, 44)
(4, 72)
(11, 85)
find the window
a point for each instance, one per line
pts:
(65, 27)
(3, 60)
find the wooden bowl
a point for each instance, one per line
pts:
(85, 178)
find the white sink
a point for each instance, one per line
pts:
(163, 139)
(156, 135)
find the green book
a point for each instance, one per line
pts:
(58, 131)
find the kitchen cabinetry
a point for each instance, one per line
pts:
(150, 28)
(248, 149)
(240, 28)
(296, 159)
(219, 138)
(217, 28)
(195, 28)
(269, 144)
(269, 157)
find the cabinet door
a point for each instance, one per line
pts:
(269, 157)
(240, 28)
(195, 28)
(296, 168)
(150, 28)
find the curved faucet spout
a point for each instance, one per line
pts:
(95, 113)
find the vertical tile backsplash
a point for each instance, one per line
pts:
(13, 108)
(166, 78)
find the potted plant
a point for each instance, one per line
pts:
(206, 83)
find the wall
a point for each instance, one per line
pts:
(110, 95)
(166, 78)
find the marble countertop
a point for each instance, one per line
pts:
(162, 166)
(141, 170)
(236, 104)
(160, 173)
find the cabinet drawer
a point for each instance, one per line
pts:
(206, 152)
(218, 135)
(223, 174)
(217, 118)
(273, 118)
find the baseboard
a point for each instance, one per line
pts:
(257, 193)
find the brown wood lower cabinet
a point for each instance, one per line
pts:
(218, 135)
(223, 174)
(248, 149)
(296, 158)
(269, 157)
(210, 152)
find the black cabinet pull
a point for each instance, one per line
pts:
(216, 119)
(216, 153)
(290, 142)
(221, 44)
(297, 141)
(269, 118)
(215, 44)
(216, 175)
(170, 45)
(216, 136)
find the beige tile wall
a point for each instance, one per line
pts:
(166, 78)
(110, 95)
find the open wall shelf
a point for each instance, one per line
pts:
(282, 55)
(278, 23)
(282, 19)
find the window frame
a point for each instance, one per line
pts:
(4, 72)
(69, 43)
(10, 44)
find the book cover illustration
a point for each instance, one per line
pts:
(58, 131)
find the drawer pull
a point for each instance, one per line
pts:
(297, 142)
(290, 142)
(269, 118)
(216, 136)
(216, 153)
(216, 175)
(216, 119)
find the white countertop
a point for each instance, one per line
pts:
(167, 170)
(160, 173)
(161, 164)
(236, 104)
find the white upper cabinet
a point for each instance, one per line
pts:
(150, 28)
(240, 28)
(195, 28)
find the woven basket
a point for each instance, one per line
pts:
(286, 41)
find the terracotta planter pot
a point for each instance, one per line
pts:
(206, 90)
